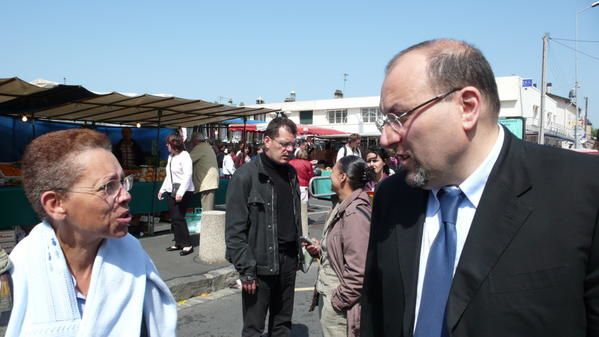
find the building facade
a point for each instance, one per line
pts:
(518, 96)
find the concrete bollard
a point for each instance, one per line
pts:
(212, 237)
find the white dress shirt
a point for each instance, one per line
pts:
(472, 188)
(181, 167)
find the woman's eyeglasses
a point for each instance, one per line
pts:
(111, 188)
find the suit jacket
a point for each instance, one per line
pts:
(530, 263)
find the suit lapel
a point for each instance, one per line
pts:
(409, 238)
(498, 218)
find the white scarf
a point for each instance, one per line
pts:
(124, 284)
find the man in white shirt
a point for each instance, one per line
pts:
(480, 233)
(228, 163)
(351, 148)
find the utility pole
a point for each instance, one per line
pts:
(576, 86)
(541, 139)
(586, 111)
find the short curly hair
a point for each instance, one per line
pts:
(48, 162)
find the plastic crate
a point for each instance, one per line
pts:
(193, 217)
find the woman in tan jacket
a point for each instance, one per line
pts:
(342, 250)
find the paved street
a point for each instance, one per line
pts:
(219, 314)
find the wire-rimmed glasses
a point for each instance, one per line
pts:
(396, 121)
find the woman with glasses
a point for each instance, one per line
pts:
(377, 159)
(78, 272)
(342, 250)
(178, 189)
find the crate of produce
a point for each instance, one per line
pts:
(10, 174)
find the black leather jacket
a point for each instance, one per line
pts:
(251, 220)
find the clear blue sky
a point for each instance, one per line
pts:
(245, 49)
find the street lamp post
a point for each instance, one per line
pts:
(594, 4)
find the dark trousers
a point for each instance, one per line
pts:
(177, 211)
(274, 294)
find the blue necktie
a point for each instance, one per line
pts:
(439, 268)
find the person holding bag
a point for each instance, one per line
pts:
(178, 189)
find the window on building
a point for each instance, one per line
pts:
(337, 116)
(260, 117)
(306, 117)
(369, 115)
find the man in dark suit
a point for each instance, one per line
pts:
(479, 234)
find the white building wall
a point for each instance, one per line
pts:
(516, 101)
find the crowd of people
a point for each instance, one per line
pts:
(468, 234)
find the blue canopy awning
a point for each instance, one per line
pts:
(240, 121)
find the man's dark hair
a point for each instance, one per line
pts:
(454, 64)
(272, 129)
(353, 137)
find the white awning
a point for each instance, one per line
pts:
(50, 101)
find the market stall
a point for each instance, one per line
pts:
(31, 106)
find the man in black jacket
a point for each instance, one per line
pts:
(262, 230)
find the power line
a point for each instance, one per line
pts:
(572, 40)
(578, 51)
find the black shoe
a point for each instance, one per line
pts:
(186, 251)
(174, 247)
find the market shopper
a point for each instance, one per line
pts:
(127, 151)
(78, 272)
(304, 170)
(229, 162)
(178, 189)
(262, 230)
(351, 148)
(377, 159)
(342, 250)
(205, 170)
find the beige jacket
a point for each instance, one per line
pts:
(205, 168)
(347, 236)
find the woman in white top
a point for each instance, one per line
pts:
(228, 164)
(179, 170)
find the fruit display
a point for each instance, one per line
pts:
(9, 170)
(10, 174)
(147, 174)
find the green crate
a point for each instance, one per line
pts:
(194, 220)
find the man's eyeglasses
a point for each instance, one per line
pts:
(396, 121)
(286, 145)
(111, 188)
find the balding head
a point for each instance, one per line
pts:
(453, 64)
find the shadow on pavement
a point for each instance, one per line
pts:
(300, 330)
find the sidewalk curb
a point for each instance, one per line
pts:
(187, 287)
